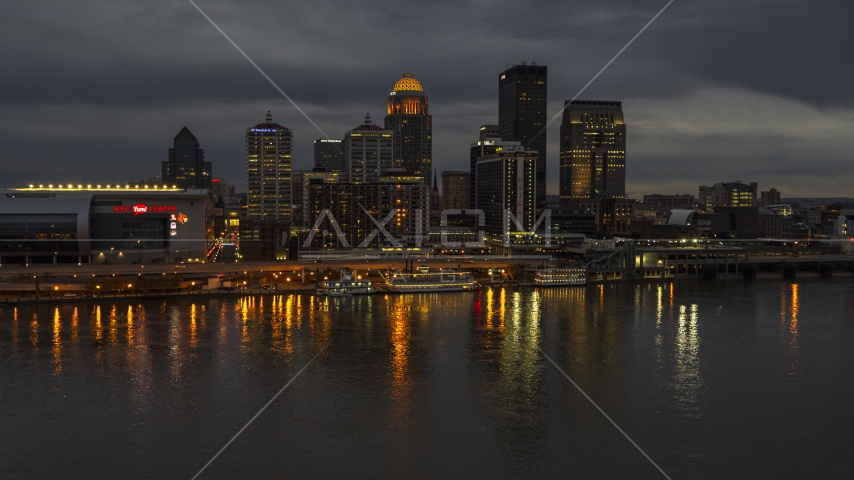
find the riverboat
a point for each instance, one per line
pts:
(425, 280)
(557, 277)
(345, 286)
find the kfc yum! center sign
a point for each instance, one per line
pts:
(140, 209)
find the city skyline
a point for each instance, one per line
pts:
(730, 112)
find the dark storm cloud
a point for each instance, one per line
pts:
(705, 89)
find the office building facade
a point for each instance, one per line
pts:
(488, 141)
(668, 202)
(592, 152)
(776, 226)
(409, 198)
(330, 154)
(613, 216)
(593, 163)
(506, 184)
(299, 191)
(268, 171)
(368, 152)
(186, 167)
(522, 102)
(222, 188)
(263, 240)
(340, 214)
(728, 194)
(455, 190)
(770, 197)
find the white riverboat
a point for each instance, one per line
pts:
(557, 277)
(425, 280)
(345, 286)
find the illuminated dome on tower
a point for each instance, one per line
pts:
(408, 83)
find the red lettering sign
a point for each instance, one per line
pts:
(140, 209)
(163, 208)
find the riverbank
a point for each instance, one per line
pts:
(763, 277)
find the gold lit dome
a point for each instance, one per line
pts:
(408, 84)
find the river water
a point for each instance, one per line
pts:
(725, 379)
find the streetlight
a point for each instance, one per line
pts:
(111, 255)
(289, 283)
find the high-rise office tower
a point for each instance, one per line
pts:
(506, 183)
(410, 120)
(268, 171)
(299, 190)
(186, 167)
(592, 152)
(489, 140)
(367, 152)
(330, 154)
(522, 114)
(593, 163)
(409, 195)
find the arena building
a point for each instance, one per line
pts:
(111, 224)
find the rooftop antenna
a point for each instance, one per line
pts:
(269, 117)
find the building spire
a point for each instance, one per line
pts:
(367, 119)
(269, 117)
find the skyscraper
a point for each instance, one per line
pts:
(299, 190)
(186, 167)
(490, 136)
(330, 154)
(268, 171)
(593, 163)
(592, 152)
(506, 183)
(409, 118)
(367, 152)
(522, 114)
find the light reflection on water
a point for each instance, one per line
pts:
(789, 309)
(400, 318)
(688, 378)
(178, 368)
(57, 342)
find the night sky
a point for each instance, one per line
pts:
(94, 91)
